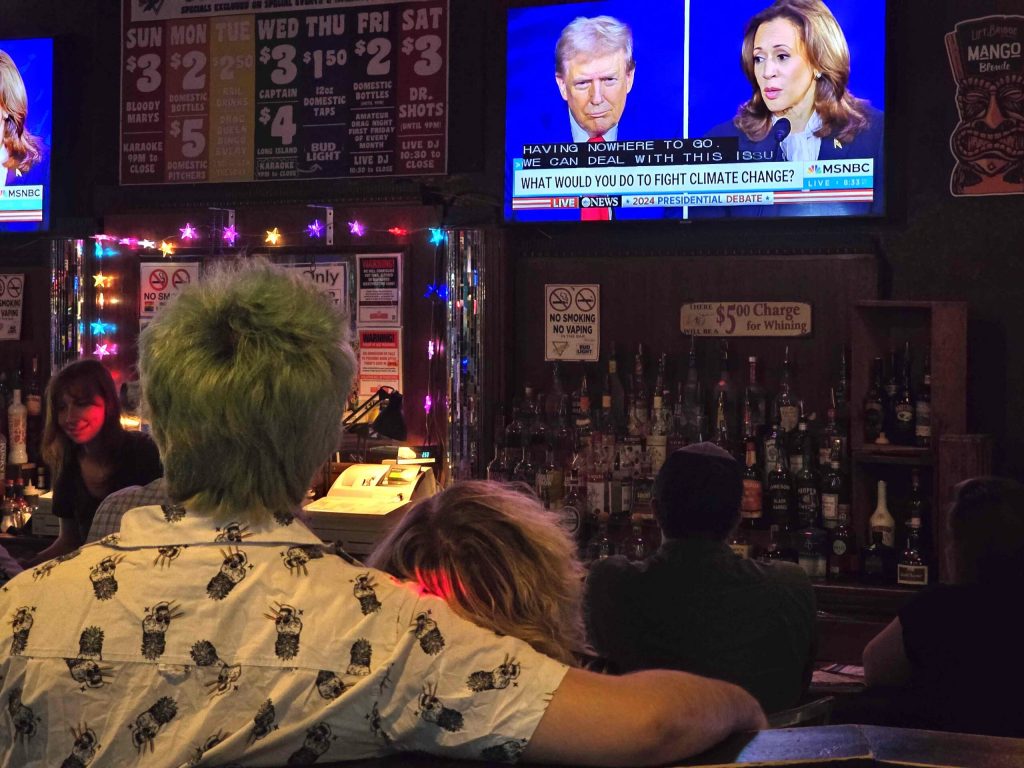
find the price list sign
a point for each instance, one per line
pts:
(262, 90)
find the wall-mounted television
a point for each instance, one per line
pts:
(736, 109)
(26, 108)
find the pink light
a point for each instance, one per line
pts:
(398, 231)
(428, 403)
(357, 229)
(229, 235)
(131, 241)
(188, 232)
(430, 349)
(101, 238)
(316, 228)
(102, 350)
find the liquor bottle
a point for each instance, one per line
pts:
(923, 406)
(756, 396)
(596, 481)
(537, 430)
(842, 556)
(812, 552)
(903, 406)
(33, 391)
(917, 504)
(661, 379)
(889, 390)
(786, 399)
(19, 506)
(600, 545)
(17, 418)
(881, 520)
(584, 424)
(635, 548)
(693, 408)
(912, 569)
(772, 448)
(833, 494)
(498, 470)
(676, 438)
(554, 395)
(724, 394)
(640, 413)
(721, 433)
(563, 435)
(525, 471)
(740, 543)
(841, 394)
(874, 407)
(779, 490)
(752, 505)
(799, 443)
(779, 547)
(615, 389)
(829, 434)
(549, 478)
(878, 565)
(3, 455)
(605, 423)
(657, 438)
(515, 431)
(808, 494)
(571, 510)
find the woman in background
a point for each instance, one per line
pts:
(19, 149)
(949, 661)
(499, 559)
(89, 453)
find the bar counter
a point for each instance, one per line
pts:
(852, 746)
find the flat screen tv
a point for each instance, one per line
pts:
(708, 121)
(26, 106)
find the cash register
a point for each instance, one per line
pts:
(366, 500)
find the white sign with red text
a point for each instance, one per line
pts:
(160, 281)
(380, 360)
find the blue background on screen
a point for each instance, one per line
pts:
(34, 58)
(536, 113)
(718, 85)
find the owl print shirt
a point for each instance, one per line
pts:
(183, 642)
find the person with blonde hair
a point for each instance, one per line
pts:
(217, 628)
(500, 560)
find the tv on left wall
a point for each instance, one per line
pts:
(26, 107)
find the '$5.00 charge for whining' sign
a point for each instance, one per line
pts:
(746, 318)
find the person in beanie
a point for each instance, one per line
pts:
(695, 605)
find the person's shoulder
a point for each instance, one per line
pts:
(780, 573)
(726, 128)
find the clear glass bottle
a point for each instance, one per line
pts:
(756, 396)
(17, 423)
(923, 406)
(881, 519)
(874, 407)
(787, 400)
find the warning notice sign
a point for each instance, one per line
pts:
(572, 325)
(11, 289)
(380, 359)
(379, 289)
(159, 281)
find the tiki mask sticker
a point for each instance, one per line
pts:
(987, 60)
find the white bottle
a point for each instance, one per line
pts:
(881, 520)
(17, 418)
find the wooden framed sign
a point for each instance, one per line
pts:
(746, 318)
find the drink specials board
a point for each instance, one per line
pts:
(262, 90)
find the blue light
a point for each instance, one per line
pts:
(437, 236)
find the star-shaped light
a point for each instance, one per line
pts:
(166, 248)
(230, 234)
(99, 328)
(99, 280)
(273, 236)
(316, 228)
(130, 241)
(97, 250)
(357, 229)
(436, 236)
(147, 244)
(101, 238)
(398, 231)
(188, 232)
(102, 350)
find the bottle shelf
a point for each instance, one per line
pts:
(895, 454)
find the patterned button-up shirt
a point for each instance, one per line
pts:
(182, 642)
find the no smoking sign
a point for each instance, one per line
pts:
(572, 322)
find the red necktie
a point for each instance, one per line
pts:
(595, 214)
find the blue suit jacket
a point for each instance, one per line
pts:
(866, 144)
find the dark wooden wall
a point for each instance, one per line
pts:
(932, 246)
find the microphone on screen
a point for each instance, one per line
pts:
(780, 131)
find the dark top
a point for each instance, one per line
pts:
(866, 144)
(963, 642)
(136, 462)
(697, 606)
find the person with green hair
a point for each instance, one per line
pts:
(217, 629)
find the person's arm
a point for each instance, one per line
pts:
(644, 718)
(68, 540)
(885, 660)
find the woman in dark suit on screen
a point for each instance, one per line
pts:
(797, 60)
(20, 151)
